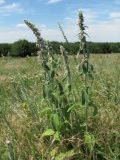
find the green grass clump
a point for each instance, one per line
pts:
(60, 107)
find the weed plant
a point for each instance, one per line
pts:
(64, 110)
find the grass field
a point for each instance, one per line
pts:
(23, 119)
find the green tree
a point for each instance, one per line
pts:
(22, 48)
(4, 49)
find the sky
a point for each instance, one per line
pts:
(101, 16)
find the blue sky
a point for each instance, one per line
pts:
(101, 16)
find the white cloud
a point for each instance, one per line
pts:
(10, 8)
(21, 25)
(107, 32)
(2, 2)
(13, 35)
(68, 18)
(115, 15)
(68, 21)
(91, 16)
(42, 26)
(104, 32)
(99, 30)
(54, 1)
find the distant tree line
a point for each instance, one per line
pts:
(23, 48)
(20, 48)
(93, 47)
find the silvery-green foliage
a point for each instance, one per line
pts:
(87, 70)
(63, 33)
(53, 90)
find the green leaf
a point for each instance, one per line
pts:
(56, 121)
(44, 92)
(85, 67)
(95, 110)
(83, 97)
(48, 132)
(73, 107)
(60, 88)
(91, 67)
(54, 152)
(57, 136)
(54, 99)
(46, 110)
(66, 155)
(61, 156)
(90, 140)
(52, 74)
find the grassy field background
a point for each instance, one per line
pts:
(21, 85)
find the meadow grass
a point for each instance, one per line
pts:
(60, 107)
(25, 127)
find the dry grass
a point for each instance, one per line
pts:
(25, 132)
